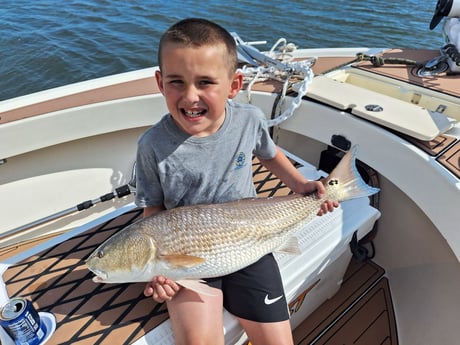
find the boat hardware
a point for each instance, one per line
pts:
(340, 142)
(441, 108)
(431, 64)
(440, 63)
(374, 108)
(416, 97)
(433, 67)
(2, 161)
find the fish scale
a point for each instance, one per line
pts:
(204, 241)
(241, 232)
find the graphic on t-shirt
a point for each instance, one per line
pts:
(240, 160)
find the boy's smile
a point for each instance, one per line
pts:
(194, 113)
(196, 83)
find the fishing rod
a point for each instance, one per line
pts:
(119, 192)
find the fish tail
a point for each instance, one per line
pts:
(345, 182)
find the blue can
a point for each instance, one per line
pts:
(22, 322)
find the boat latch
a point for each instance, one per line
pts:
(373, 107)
(340, 142)
(416, 97)
(441, 108)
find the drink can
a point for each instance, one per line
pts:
(22, 322)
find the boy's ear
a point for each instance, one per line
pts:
(237, 84)
(159, 79)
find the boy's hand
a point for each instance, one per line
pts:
(161, 289)
(318, 187)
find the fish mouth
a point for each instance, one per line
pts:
(100, 276)
(98, 279)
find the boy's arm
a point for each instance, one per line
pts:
(286, 172)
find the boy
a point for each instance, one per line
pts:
(201, 153)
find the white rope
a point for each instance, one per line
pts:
(282, 71)
(280, 41)
(252, 76)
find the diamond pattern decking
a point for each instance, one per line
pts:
(58, 281)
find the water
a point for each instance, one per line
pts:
(49, 43)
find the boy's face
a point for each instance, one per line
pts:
(196, 83)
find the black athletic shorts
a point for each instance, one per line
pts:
(254, 293)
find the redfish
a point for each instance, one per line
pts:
(190, 243)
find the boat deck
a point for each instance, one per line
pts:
(360, 313)
(56, 280)
(444, 82)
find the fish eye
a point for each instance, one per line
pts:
(100, 254)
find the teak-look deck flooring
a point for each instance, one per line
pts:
(360, 313)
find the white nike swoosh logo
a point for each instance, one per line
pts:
(269, 301)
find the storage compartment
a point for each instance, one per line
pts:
(316, 275)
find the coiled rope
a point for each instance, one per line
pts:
(280, 67)
(379, 61)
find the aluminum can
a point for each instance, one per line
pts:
(22, 322)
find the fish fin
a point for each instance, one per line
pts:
(182, 260)
(290, 247)
(199, 286)
(345, 182)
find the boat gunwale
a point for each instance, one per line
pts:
(120, 86)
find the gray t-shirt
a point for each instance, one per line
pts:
(176, 169)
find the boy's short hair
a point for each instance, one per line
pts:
(197, 32)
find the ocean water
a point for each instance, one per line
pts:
(49, 43)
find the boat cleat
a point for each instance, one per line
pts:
(434, 66)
